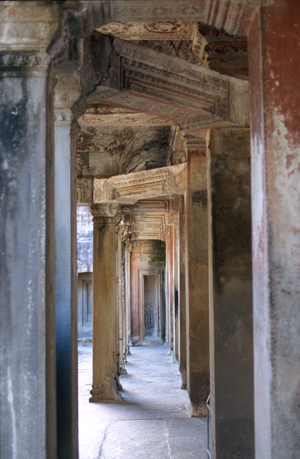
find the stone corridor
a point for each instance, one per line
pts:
(151, 422)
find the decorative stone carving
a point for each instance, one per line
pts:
(131, 187)
(178, 90)
(63, 117)
(106, 212)
(150, 30)
(129, 118)
(234, 17)
(179, 151)
(30, 28)
(84, 190)
(23, 60)
(68, 89)
(191, 51)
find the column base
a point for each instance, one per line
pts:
(183, 381)
(99, 395)
(198, 411)
(128, 350)
(123, 371)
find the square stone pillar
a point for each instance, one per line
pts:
(197, 266)
(27, 246)
(128, 248)
(171, 291)
(274, 68)
(230, 295)
(175, 218)
(66, 284)
(167, 285)
(121, 311)
(105, 325)
(182, 295)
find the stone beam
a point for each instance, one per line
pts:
(129, 188)
(191, 96)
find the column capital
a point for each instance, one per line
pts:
(104, 213)
(68, 90)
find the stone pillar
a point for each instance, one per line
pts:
(182, 296)
(171, 291)
(104, 304)
(67, 91)
(120, 315)
(27, 238)
(175, 283)
(128, 248)
(197, 311)
(275, 148)
(167, 301)
(230, 295)
(66, 284)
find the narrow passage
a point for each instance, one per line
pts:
(153, 420)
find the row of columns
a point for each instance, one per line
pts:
(31, 235)
(208, 299)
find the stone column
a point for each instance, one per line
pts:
(104, 304)
(275, 149)
(176, 286)
(27, 238)
(230, 294)
(66, 284)
(197, 310)
(120, 315)
(167, 301)
(182, 296)
(128, 248)
(67, 91)
(171, 291)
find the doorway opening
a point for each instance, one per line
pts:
(151, 306)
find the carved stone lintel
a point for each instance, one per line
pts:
(150, 31)
(164, 181)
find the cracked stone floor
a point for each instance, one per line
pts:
(152, 421)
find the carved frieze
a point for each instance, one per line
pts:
(129, 118)
(130, 188)
(24, 26)
(173, 35)
(174, 30)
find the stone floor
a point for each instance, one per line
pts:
(153, 420)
